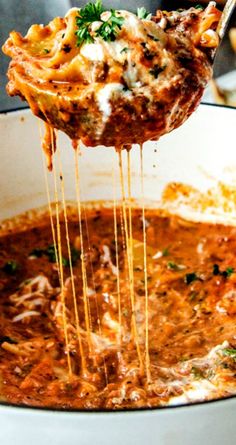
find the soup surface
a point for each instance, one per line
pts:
(190, 318)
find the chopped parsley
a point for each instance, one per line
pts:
(143, 14)
(190, 277)
(46, 51)
(228, 271)
(165, 251)
(50, 252)
(230, 352)
(225, 273)
(91, 13)
(65, 262)
(171, 265)
(125, 50)
(10, 267)
(193, 296)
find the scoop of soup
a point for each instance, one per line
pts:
(114, 78)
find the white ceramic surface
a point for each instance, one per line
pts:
(227, 82)
(199, 154)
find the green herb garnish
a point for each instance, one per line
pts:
(199, 7)
(125, 50)
(109, 29)
(50, 252)
(225, 273)
(228, 271)
(46, 51)
(87, 15)
(193, 296)
(10, 267)
(142, 13)
(165, 251)
(92, 13)
(229, 352)
(190, 277)
(65, 262)
(171, 265)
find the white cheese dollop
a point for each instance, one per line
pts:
(105, 94)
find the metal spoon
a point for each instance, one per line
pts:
(224, 21)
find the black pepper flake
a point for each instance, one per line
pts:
(66, 48)
(7, 339)
(10, 267)
(190, 277)
(156, 70)
(153, 38)
(149, 55)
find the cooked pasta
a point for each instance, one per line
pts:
(192, 314)
(123, 79)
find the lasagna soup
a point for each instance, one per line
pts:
(90, 353)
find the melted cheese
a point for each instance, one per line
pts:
(104, 96)
(135, 86)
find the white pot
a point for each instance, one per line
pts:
(199, 153)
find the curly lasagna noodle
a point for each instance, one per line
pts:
(114, 78)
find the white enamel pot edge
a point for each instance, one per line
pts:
(206, 424)
(205, 144)
(200, 153)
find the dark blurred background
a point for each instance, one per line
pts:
(20, 14)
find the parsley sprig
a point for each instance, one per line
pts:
(108, 28)
(143, 14)
(230, 352)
